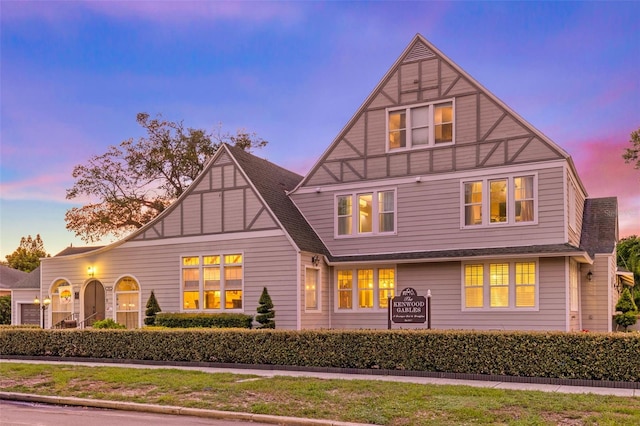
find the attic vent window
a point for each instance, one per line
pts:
(418, 52)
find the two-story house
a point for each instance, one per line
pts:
(434, 184)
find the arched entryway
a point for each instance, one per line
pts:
(93, 303)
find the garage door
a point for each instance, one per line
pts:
(29, 314)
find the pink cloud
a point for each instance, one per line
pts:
(157, 11)
(605, 174)
(42, 187)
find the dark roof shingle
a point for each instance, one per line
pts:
(273, 182)
(599, 225)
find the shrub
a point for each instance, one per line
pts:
(628, 309)
(153, 307)
(265, 311)
(107, 323)
(184, 320)
(561, 355)
(5, 310)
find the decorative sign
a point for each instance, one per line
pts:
(409, 307)
(65, 294)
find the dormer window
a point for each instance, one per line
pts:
(424, 125)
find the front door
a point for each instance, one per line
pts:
(93, 303)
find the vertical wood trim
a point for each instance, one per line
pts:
(181, 218)
(222, 191)
(439, 77)
(478, 118)
(244, 209)
(366, 142)
(420, 95)
(202, 211)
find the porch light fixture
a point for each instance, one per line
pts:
(44, 305)
(91, 271)
(590, 276)
(315, 260)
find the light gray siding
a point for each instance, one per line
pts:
(595, 294)
(268, 262)
(321, 317)
(444, 280)
(429, 219)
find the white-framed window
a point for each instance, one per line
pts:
(365, 289)
(419, 126)
(312, 289)
(62, 297)
(573, 286)
(499, 201)
(127, 300)
(212, 282)
(366, 213)
(499, 285)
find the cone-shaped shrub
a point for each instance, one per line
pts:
(265, 311)
(152, 309)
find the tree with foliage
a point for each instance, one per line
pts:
(628, 257)
(265, 311)
(5, 310)
(134, 182)
(27, 256)
(628, 310)
(631, 154)
(153, 307)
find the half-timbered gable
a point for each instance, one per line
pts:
(219, 201)
(428, 116)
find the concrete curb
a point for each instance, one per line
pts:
(169, 409)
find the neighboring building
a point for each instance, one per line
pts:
(23, 288)
(8, 277)
(434, 184)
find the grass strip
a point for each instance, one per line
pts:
(362, 401)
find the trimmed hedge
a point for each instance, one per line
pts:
(588, 356)
(181, 320)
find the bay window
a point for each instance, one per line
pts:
(212, 282)
(499, 201)
(500, 285)
(366, 213)
(420, 126)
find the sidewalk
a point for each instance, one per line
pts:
(271, 373)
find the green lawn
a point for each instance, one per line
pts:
(362, 401)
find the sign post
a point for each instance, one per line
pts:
(408, 307)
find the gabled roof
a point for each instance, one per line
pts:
(421, 48)
(31, 280)
(10, 276)
(599, 225)
(273, 184)
(77, 250)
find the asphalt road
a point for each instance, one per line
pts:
(34, 414)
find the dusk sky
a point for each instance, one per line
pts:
(74, 75)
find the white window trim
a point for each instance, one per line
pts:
(200, 267)
(354, 289)
(573, 220)
(511, 220)
(375, 225)
(486, 288)
(408, 128)
(318, 290)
